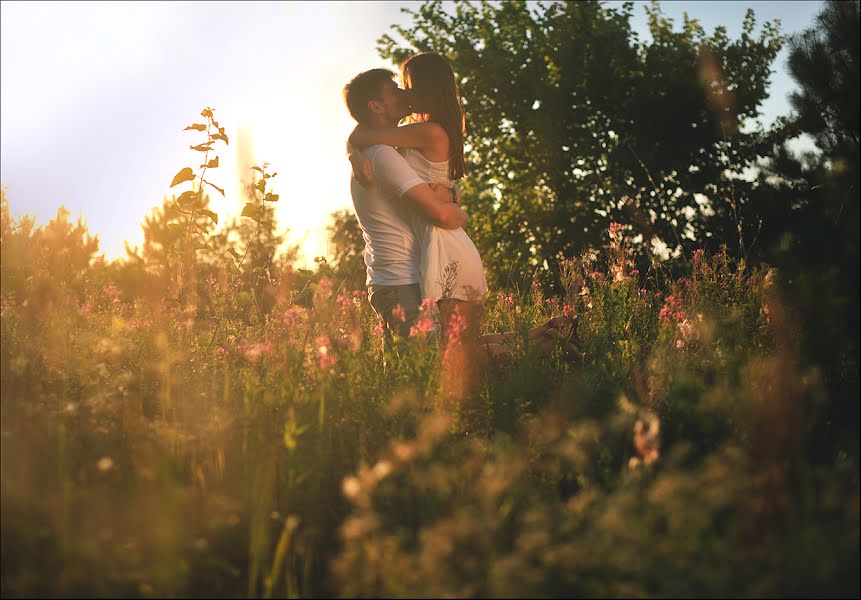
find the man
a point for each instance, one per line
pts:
(384, 209)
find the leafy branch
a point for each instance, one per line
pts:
(190, 204)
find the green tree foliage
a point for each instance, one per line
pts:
(824, 61)
(348, 246)
(572, 122)
(37, 261)
(812, 219)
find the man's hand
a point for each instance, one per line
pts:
(363, 170)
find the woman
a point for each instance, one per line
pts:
(452, 274)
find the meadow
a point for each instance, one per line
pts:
(243, 439)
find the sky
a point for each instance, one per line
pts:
(94, 97)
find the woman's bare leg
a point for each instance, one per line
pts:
(500, 343)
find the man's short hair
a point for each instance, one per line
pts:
(363, 88)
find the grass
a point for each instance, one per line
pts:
(150, 449)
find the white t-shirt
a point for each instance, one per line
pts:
(391, 247)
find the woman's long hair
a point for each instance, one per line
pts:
(437, 99)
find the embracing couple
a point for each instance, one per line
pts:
(409, 210)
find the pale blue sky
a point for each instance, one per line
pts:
(95, 96)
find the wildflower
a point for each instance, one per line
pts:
(111, 291)
(325, 358)
(292, 316)
(382, 469)
(399, 313)
(254, 351)
(351, 487)
(344, 302)
(421, 327)
(86, 308)
(324, 289)
(506, 302)
(646, 438)
(616, 232)
(698, 256)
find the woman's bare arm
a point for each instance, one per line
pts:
(421, 136)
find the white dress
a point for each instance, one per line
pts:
(449, 264)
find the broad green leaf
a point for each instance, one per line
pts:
(196, 127)
(206, 112)
(209, 214)
(261, 185)
(252, 210)
(211, 164)
(187, 198)
(185, 175)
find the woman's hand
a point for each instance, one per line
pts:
(453, 191)
(363, 170)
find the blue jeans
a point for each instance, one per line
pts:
(384, 299)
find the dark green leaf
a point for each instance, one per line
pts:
(209, 214)
(185, 175)
(253, 211)
(187, 198)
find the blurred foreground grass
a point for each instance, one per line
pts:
(150, 449)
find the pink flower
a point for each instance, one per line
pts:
(111, 291)
(399, 313)
(568, 310)
(255, 351)
(325, 358)
(292, 316)
(506, 302)
(698, 255)
(324, 289)
(86, 308)
(423, 326)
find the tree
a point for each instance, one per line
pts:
(824, 60)
(349, 250)
(816, 247)
(573, 123)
